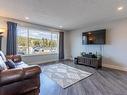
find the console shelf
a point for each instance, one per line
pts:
(93, 62)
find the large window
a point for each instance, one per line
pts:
(33, 41)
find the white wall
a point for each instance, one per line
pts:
(114, 52)
(35, 59)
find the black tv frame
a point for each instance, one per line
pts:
(94, 31)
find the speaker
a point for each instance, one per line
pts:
(75, 60)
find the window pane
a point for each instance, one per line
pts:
(37, 41)
(55, 43)
(40, 42)
(22, 40)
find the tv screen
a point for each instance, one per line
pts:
(94, 37)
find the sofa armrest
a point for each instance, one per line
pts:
(14, 58)
(10, 76)
(31, 71)
(18, 74)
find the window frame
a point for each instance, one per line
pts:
(28, 37)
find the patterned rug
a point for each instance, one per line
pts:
(64, 75)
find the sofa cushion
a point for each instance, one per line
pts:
(17, 58)
(10, 64)
(2, 64)
(21, 64)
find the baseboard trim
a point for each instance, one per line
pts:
(114, 67)
(103, 65)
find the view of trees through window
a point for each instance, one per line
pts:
(32, 41)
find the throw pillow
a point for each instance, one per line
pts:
(10, 64)
(3, 56)
(2, 64)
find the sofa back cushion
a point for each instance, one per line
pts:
(2, 64)
(14, 58)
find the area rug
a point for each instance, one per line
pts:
(64, 75)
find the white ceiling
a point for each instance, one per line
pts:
(71, 14)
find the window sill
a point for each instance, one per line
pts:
(39, 54)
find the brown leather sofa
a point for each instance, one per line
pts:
(20, 81)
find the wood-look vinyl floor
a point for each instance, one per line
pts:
(103, 82)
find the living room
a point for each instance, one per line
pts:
(63, 47)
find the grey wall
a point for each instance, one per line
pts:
(114, 52)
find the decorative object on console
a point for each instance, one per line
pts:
(83, 53)
(89, 55)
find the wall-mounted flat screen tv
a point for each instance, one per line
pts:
(97, 37)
